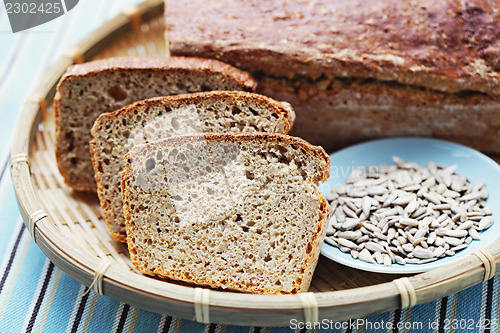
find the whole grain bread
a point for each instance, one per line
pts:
(85, 91)
(115, 133)
(235, 211)
(342, 57)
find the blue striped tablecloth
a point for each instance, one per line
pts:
(36, 296)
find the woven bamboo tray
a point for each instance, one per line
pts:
(70, 230)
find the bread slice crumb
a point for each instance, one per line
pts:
(87, 90)
(115, 133)
(231, 211)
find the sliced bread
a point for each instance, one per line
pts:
(235, 211)
(115, 133)
(85, 91)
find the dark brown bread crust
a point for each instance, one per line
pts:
(345, 114)
(76, 113)
(447, 45)
(231, 73)
(357, 70)
(194, 98)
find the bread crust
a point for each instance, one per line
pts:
(344, 114)
(284, 115)
(244, 79)
(358, 70)
(281, 108)
(448, 46)
(77, 168)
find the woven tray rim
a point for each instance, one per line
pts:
(169, 298)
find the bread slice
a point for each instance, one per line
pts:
(115, 133)
(234, 211)
(85, 91)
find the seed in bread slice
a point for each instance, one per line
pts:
(235, 211)
(115, 133)
(85, 91)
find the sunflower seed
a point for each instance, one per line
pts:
(408, 247)
(331, 196)
(485, 222)
(459, 247)
(349, 212)
(456, 233)
(431, 238)
(408, 222)
(346, 243)
(379, 258)
(350, 224)
(330, 230)
(344, 249)
(439, 251)
(350, 235)
(432, 197)
(362, 239)
(474, 234)
(453, 241)
(374, 247)
(390, 199)
(422, 253)
(331, 241)
(465, 226)
(399, 260)
(413, 261)
(366, 256)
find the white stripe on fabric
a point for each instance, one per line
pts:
(18, 62)
(106, 13)
(161, 326)
(175, 325)
(118, 316)
(132, 319)
(10, 247)
(56, 45)
(12, 70)
(494, 300)
(89, 310)
(39, 285)
(63, 3)
(3, 16)
(76, 305)
(437, 311)
(484, 294)
(22, 250)
(11, 56)
(49, 299)
(390, 320)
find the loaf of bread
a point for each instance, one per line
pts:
(355, 70)
(235, 211)
(115, 133)
(88, 90)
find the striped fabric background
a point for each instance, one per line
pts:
(35, 296)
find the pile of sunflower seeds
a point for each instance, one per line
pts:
(406, 213)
